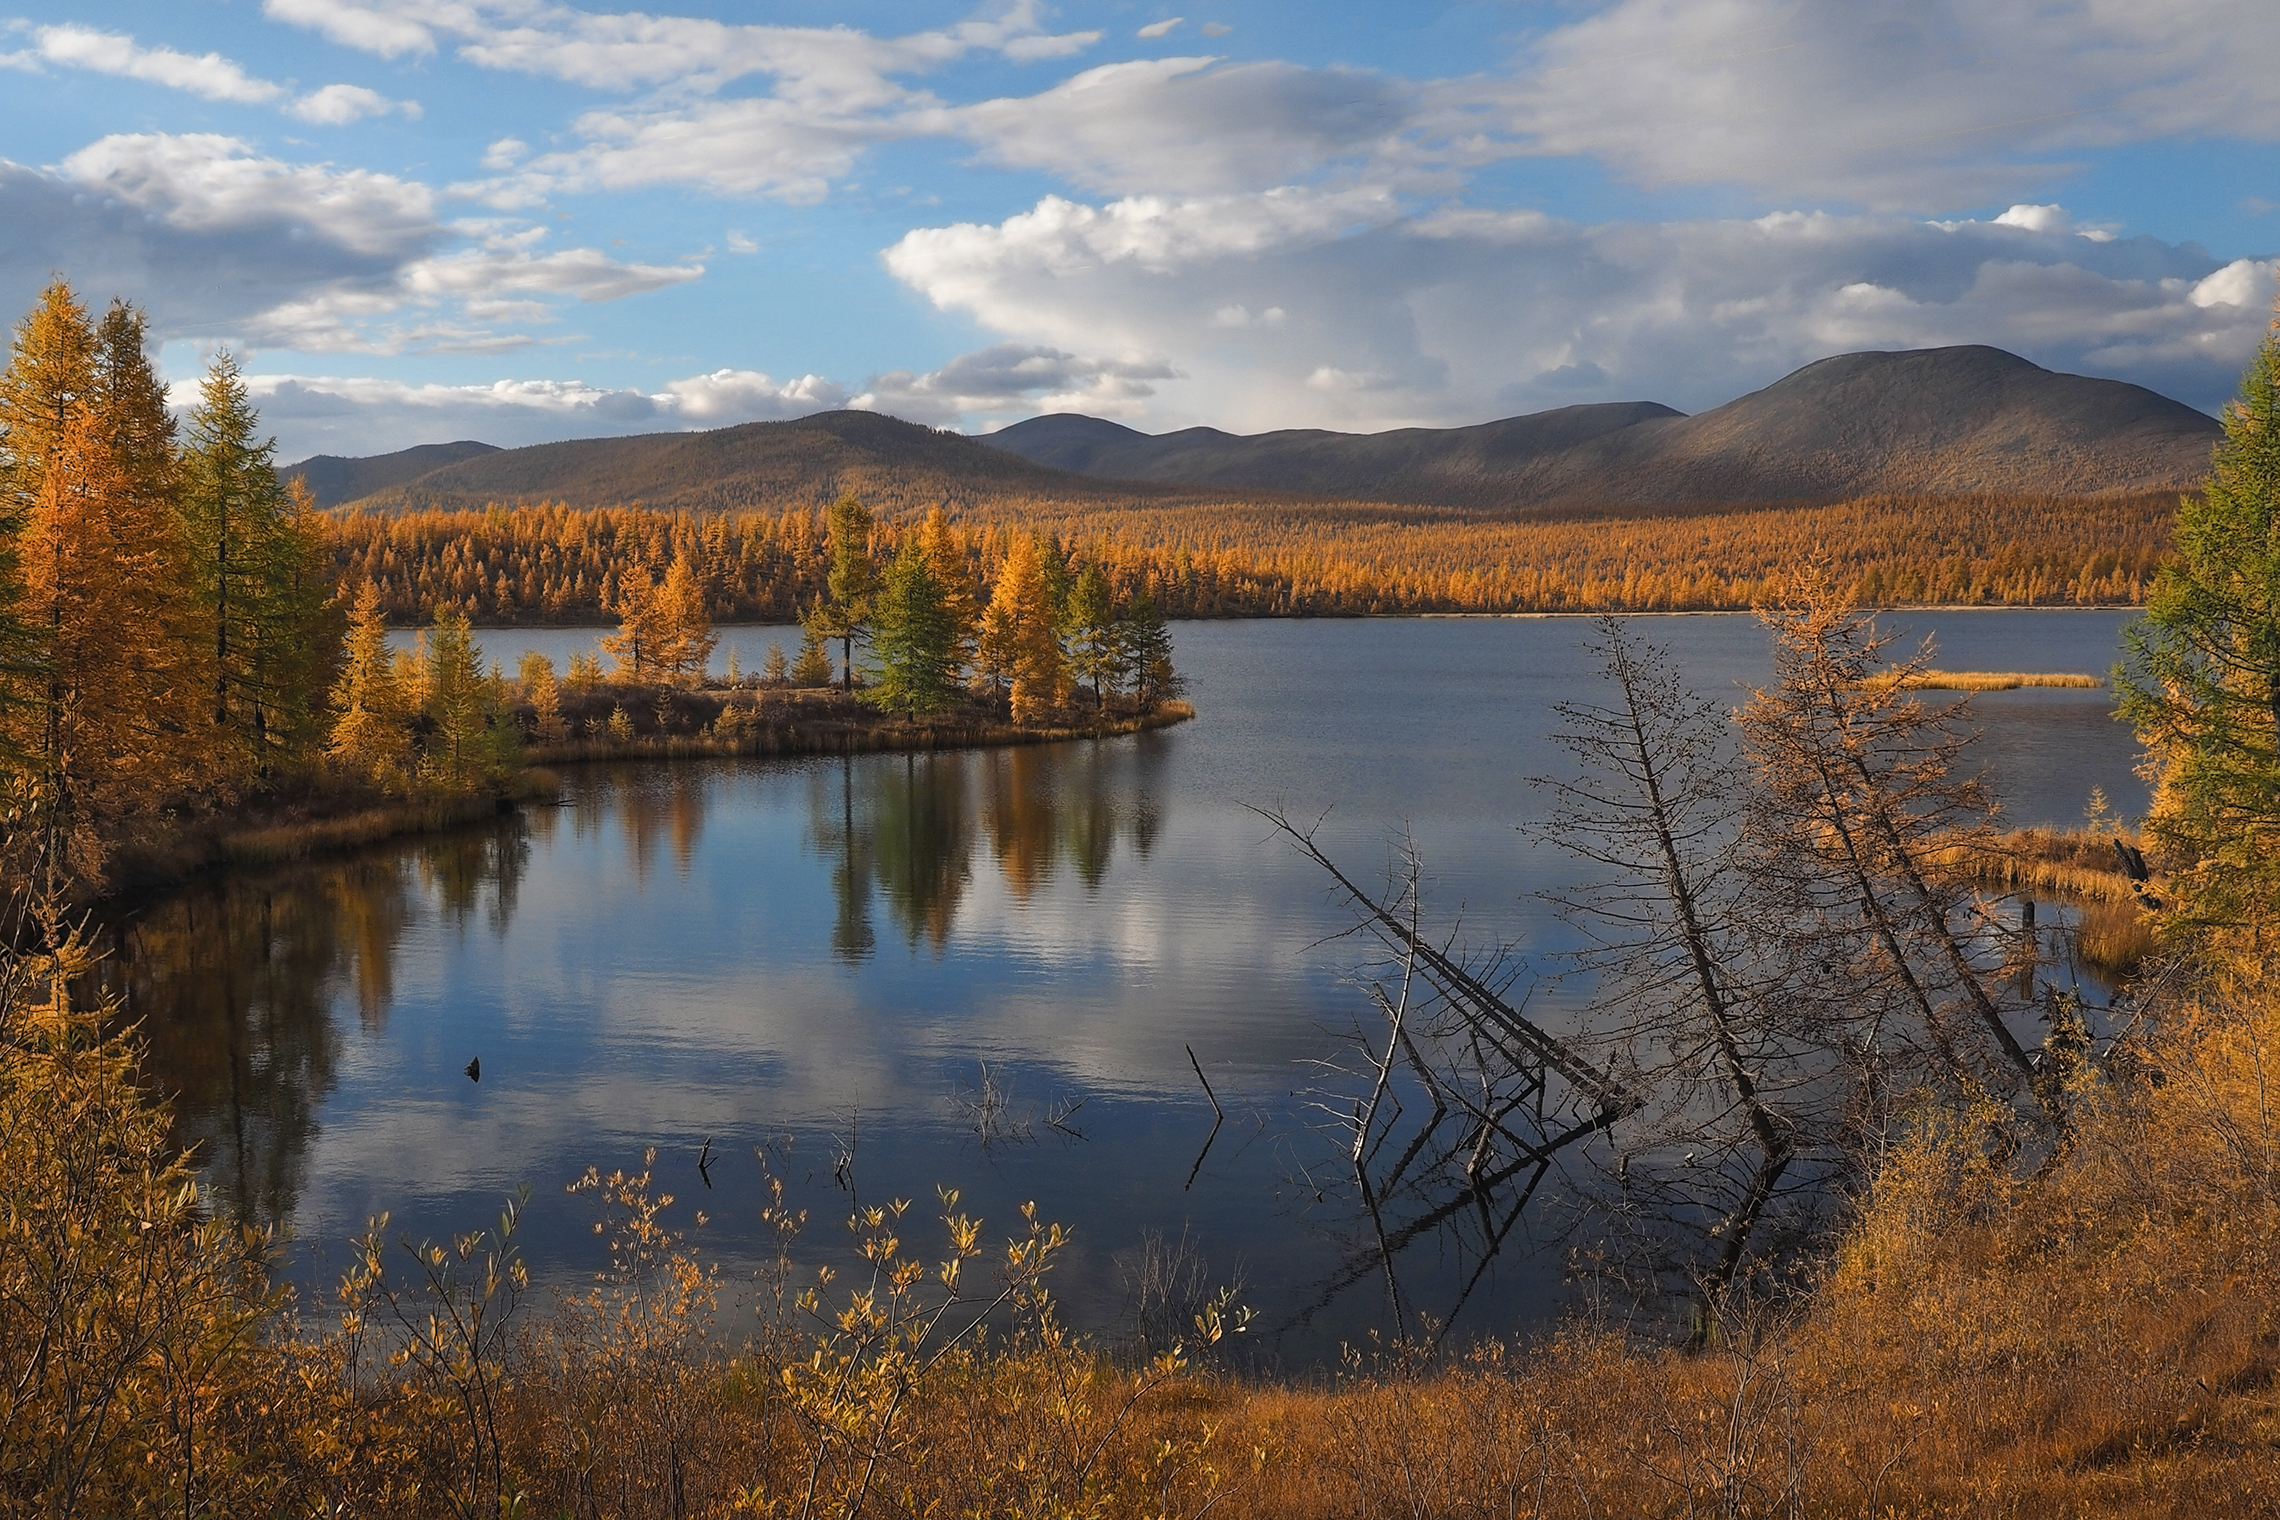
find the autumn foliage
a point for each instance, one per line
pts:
(558, 565)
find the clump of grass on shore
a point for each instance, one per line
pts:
(1990, 680)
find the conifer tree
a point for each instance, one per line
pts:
(50, 379)
(1020, 649)
(1147, 651)
(684, 635)
(472, 739)
(2201, 677)
(257, 578)
(544, 693)
(775, 670)
(813, 667)
(89, 728)
(912, 635)
(954, 574)
(1095, 640)
(47, 383)
(845, 612)
(641, 627)
(369, 737)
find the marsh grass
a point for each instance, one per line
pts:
(1989, 680)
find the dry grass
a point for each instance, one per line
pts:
(2075, 865)
(2095, 1338)
(1994, 680)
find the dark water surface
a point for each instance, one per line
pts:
(825, 956)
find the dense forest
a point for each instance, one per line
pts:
(559, 565)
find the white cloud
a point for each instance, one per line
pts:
(1018, 377)
(1459, 316)
(1188, 125)
(1932, 104)
(337, 105)
(390, 31)
(219, 241)
(208, 74)
(358, 415)
(1155, 29)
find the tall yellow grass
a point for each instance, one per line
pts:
(1992, 680)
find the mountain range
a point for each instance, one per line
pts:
(1940, 421)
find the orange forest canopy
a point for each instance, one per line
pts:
(557, 565)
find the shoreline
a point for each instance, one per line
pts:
(302, 829)
(1405, 617)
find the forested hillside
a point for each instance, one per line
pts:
(560, 565)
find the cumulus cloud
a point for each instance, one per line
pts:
(1457, 315)
(1189, 125)
(336, 105)
(359, 416)
(208, 74)
(1015, 377)
(1939, 103)
(222, 242)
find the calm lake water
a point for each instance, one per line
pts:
(826, 957)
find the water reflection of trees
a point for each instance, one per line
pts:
(234, 982)
(908, 827)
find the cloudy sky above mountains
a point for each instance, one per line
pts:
(515, 220)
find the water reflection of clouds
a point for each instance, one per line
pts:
(739, 949)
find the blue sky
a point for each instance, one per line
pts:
(517, 220)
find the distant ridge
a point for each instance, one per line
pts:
(1937, 422)
(333, 480)
(1465, 466)
(773, 465)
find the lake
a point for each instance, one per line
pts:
(895, 972)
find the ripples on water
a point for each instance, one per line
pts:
(823, 955)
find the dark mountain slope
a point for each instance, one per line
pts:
(1939, 421)
(1931, 421)
(335, 480)
(890, 463)
(1466, 466)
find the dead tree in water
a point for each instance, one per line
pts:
(1508, 1097)
(1858, 785)
(1687, 982)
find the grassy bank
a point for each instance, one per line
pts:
(2115, 931)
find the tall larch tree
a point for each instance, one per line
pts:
(256, 579)
(47, 383)
(912, 637)
(845, 611)
(163, 662)
(88, 729)
(1020, 645)
(2201, 677)
(954, 577)
(369, 737)
(685, 637)
(1096, 640)
(642, 633)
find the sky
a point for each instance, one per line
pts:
(416, 221)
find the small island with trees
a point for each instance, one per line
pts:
(185, 678)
